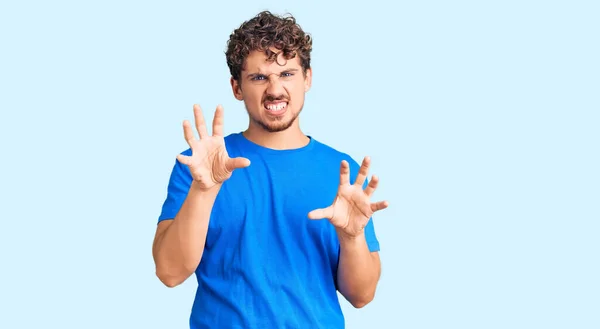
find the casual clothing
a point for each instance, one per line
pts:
(265, 263)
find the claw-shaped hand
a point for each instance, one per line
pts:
(209, 163)
(352, 207)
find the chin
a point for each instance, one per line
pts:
(275, 122)
(274, 125)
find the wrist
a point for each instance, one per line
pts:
(197, 187)
(346, 238)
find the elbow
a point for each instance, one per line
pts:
(170, 282)
(170, 279)
(362, 301)
(359, 297)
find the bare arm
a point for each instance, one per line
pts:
(179, 243)
(358, 271)
(358, 268)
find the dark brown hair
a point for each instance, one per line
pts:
(262, 32)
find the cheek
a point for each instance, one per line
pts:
(253, 97)
(296, 91)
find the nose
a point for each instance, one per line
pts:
(275, 87)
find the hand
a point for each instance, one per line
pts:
(352, 208)
(209, 163)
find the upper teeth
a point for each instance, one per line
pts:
(276, 107)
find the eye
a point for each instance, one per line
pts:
(287, 74)
(258, 77)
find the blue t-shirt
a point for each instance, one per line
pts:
(265, 263)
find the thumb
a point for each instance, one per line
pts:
(184, 159)
(321, 213)
(237, 163)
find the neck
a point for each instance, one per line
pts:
(291, 138)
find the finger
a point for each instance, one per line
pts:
(188, 133)
(379, 205)
(321, 213)
(363, 172)
(218, 122)
(237, 163)
(372, 186)
(200, 124)
(183, 159)
(344, 173)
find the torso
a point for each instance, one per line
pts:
(265, 263)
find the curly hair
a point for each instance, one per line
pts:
(263, 32)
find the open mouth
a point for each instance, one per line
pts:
(276, 108)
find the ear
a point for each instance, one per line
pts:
(307, 80)
(236, 88)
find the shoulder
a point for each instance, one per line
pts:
(331, 153)
(331, 157)
(232, 138)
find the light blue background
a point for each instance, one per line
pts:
(481, 117)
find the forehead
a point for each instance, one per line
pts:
(259, 61)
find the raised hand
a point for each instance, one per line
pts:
(352, 207)
(209, 163)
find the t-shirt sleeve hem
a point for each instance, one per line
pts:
(162, 218)
(167, 214)
(373, 246)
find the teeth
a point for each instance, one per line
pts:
(276, 107)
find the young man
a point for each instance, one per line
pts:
(272, 222)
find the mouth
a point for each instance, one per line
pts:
(276, 108)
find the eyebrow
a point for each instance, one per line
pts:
(252, 75)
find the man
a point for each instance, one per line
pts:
(272, 222)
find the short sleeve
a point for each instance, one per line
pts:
(177, 190)
(370, 236)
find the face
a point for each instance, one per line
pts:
(272, 91)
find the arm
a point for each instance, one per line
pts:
(358, 270)
(179, 243)
(359, 266)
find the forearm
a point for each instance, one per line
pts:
(358, 270)
(178, 250)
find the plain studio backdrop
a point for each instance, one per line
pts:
(481, 118)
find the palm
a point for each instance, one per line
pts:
(352, 206)
(351, 209)
(209, 163)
